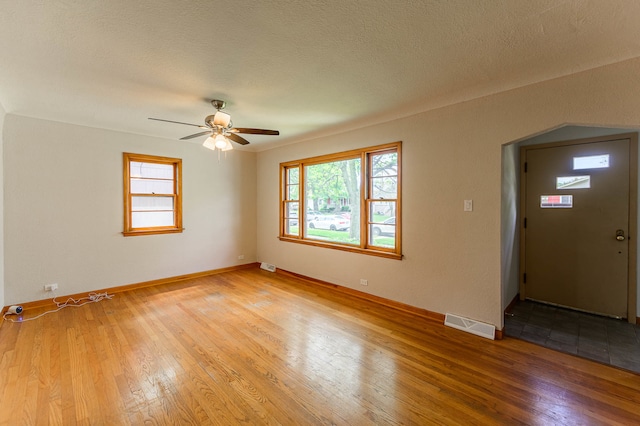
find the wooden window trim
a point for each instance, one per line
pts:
(369, 200)
(365, 200)
(176, 195)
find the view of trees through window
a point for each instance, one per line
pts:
(348, 200)
(332, 194)
(382, 200)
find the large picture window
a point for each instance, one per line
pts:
(152, 194)
(348, 201)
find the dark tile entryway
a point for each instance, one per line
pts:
(606, 340)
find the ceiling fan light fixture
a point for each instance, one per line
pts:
(228, 146)
(220, 141)
(221, 119)
(210, 143)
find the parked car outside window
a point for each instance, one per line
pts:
(293, 219)
(388, 227)
(330, 222)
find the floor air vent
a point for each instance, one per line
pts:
(268, 267)
(470, 326)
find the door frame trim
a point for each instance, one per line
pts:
(632, 285)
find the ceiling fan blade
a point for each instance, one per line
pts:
(195, 135)
(254, 131)
(179, 122)
(237, 139)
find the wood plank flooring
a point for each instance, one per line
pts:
(253, 347)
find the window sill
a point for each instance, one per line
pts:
(152, 232)
(352, 249)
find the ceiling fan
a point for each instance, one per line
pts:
(220, 129)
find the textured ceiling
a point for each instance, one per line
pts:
(303, 67)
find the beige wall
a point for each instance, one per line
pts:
(63, 200)
(2, 117)
(63, 210)
(453, 261)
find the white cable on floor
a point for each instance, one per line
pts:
(70, 302)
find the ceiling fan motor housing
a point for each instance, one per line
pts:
(218, 104)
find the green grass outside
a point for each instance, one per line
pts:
(378, 218)
(343, 237)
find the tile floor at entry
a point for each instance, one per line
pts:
(607, 340)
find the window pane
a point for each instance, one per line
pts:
(573, 182)
(386, 187)
(334, 187)
(291, 221)
(384, 165)
(293, 175)
(150, 186)
(556, 201)
(151, 203)
(292, 192)
(591, 162)
(291, 210)
(151, 170)
(382, 235)
(291, 226)
(331, 227)
(379, 211)
(382, 224)
(332, 193)
(149, 219)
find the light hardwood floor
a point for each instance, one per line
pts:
(253, 347)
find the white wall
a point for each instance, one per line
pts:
(509, 229)
(453, 260)
(63, 210)
(2, 117)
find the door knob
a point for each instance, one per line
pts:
(620, 235)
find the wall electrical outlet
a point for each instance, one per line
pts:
(364, 282)
(50, 287)
(241, 257)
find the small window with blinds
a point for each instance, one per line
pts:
(152, 194)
